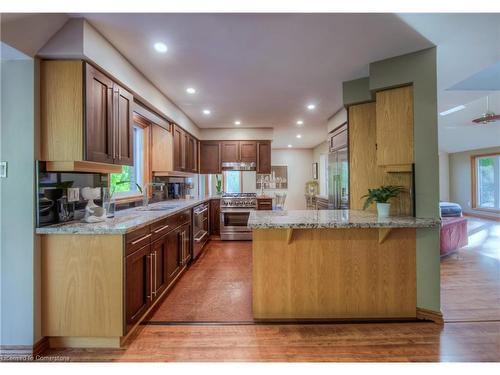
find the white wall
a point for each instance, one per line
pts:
(444, 177)
(299, 162)
(17, 139)
(320, 156)
(78, 39)
(460, 179)
(236, 133)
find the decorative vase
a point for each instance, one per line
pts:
(383, 209)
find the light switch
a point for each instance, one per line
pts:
(3, 169)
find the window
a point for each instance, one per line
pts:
(486, 182)
(232, 181)
(125, 184)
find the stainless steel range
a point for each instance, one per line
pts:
(234, 211)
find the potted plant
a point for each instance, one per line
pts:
(218, 184)
(381, 196)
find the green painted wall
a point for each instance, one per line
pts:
(419, 69)
(357, 91)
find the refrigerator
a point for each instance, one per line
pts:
(338, 169)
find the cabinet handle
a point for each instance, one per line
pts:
(150, 276)
(160, 229)
(156, 270)
(140, 239)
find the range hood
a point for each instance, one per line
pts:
(235, 166)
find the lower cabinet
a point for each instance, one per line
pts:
(137, 285)
(153, 267)
(215, 217)
(173, 255)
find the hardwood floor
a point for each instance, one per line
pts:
(470, 290)
(470, 278)
(217, 287)
(394, 342)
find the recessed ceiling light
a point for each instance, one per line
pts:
(191, 90)
(300, 122)
(289, 146)
(161, 47)
(454, 109)
(311, 107)
(237, 122)
(299, 135)
(206, 112)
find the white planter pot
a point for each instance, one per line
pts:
(383, 209)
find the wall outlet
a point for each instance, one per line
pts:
(73, 194)
(3, 169)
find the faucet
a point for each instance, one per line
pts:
(145, 197)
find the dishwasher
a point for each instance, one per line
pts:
(200, 228)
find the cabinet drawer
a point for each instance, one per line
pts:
(137, 239)
(161, 227)
(180, 218)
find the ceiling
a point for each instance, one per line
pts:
(468, 68)
(260, 69)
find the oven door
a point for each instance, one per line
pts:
(234, 224)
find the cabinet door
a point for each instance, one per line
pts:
(159, 250)
(264, 157)
(190, 153)
(172, 260)
(395, 126)
(137, 285)
(179, 147)
(186, 244)
(215, 217)
(230, 151)
(210, 157)
(123, 125)
(99, 137)
(193, 154)
(248, 151)
(161, 149)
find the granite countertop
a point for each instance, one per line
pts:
(333, 219)
(125, 220)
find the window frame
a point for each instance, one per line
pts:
(474, 182)
(145, 124)
(224, 180)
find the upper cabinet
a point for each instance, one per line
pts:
(230, 151)
(264, 157)
(394, 116)
(185, 151)
(85, 116)
(210, 157)
(248, 151)
(162, 142)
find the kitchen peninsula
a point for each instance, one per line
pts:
(334, 264)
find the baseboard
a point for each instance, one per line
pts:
(23, 352)
(479, 216)
(433, 316)
(41, 346)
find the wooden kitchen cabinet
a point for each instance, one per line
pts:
(215, 217)
(264, 157)
(230, 151)
(248, 151)
(137, 285)
(185, 244)
(185, 151)
(179, 149)
(210, 157)
(86, 118)
(159, 251)
(161, 149)
(394, 116)
(173, 255)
